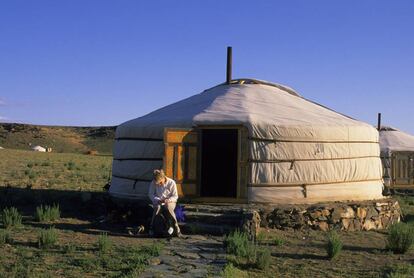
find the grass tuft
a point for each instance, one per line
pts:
(263, 259)
(245, 252)
(399, 271)
(278, 241)
(400, 238)
(69, 248)
(47, 238)
(5, 237)
(104, 243)
(71, 165)
(334, 245)
(237, 243)
(153, 250)
(261, 237)
(47, 213)
(11, 217)
(230, 271)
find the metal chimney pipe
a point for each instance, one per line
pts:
(379, 122)
(229, 64)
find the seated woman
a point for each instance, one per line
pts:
(163, 191)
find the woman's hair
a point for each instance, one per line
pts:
(158, 175)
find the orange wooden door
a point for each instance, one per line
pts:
(180, 159)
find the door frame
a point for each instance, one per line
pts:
(242, 157)
(242, 164)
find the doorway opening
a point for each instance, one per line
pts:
(219, 163)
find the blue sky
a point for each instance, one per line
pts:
(105, 62)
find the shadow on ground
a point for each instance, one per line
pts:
(297, 256)
(88, 208)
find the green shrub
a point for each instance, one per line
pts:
(32, 175)
(104, 243)
(47, 213)
(400, 238)
(334, 245)
(399, 271)
(153, 250)
(29, 165)
(69, 248)
(11, 217)
(263, 259)
(237, 243)
(5, 237)
(261, 237)
(230, 271)
(47, 238)
(71, 165)
(278, 241)
(46, 163)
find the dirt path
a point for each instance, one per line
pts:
(195, 256)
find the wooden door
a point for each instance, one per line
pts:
(403, 168)
(180, 159)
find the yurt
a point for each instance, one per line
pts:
(249, 141)
(38, 149)
(397, 154)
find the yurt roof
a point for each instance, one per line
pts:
(267, 109)
(392, 139)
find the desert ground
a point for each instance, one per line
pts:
(87, 247)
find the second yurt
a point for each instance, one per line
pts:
(397, 154)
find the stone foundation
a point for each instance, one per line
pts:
(353, 216)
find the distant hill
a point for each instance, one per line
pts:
(60, 138)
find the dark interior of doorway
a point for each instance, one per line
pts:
(219, 163)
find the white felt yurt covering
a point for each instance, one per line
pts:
(299, 151)
(393, 141)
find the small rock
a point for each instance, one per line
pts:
(357, 225)
(325, 212)
(322, 218)
(154, 261)
(348, 213)
(361, 213)
(185, 268)
(371, 212)
(209, 256)
(385, 222)
(197, 237)
(323, 226)
(336, 214)
(369, 225)
(346, 223)
(188, 255)
(315, 214)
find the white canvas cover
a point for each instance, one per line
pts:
(38, 149)
(299, 151)
(393, 140)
